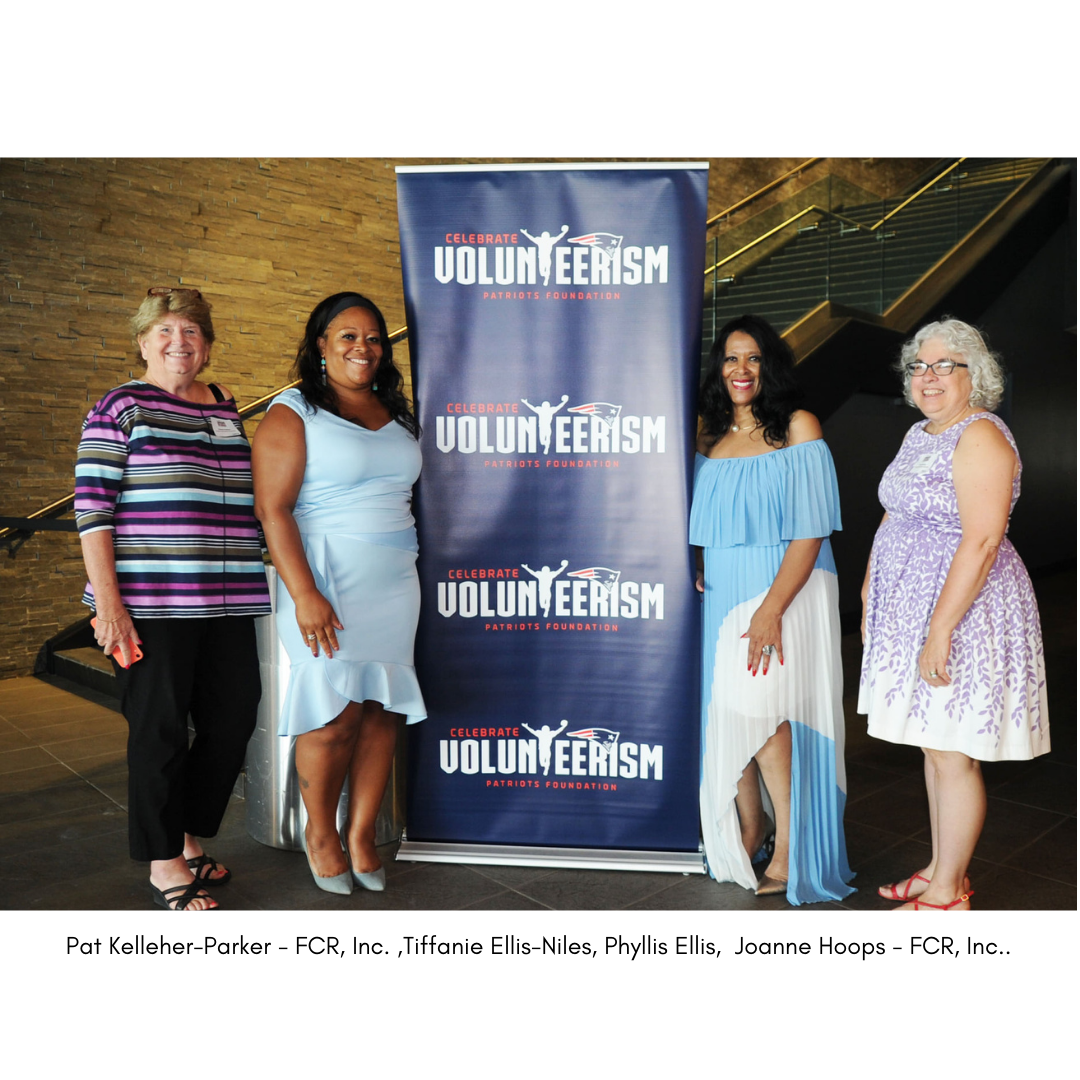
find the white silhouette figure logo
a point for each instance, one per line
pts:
(545, 243)
(546, 411)
(545, 737)
(545, 575)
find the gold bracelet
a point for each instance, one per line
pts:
(119, 618)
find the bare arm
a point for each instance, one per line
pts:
(114, 626)
(278, 458)
(767, 622)
(983, 469)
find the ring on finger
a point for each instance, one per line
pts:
(934, 675)
(311, 637)
(767, 650)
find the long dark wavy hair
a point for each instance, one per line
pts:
(308, 365)
(779, 394)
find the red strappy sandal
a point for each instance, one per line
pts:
(903, 897)
(942, 907)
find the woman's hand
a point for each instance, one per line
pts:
(934, 658)
(699, 581)
(764, 631)
(317, 621)
(117, 633)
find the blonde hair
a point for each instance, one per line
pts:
(984, 366)
(188, 303)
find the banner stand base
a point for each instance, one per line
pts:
(667, 862)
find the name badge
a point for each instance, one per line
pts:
(924, 463)
(225, 429)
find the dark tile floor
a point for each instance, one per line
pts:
(63, 822)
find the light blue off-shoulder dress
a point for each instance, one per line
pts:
(745, 512)
(355, 519)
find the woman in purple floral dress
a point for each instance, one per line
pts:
(952, 650)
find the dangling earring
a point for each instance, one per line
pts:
(375, 387)
(322, 360)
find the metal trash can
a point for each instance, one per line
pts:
(275, 812)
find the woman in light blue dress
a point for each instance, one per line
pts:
(334, 463)
(765, 502)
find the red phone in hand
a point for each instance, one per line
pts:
(118, 655)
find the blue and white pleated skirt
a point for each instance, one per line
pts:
(740, 712)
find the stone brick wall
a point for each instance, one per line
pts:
(82, 240)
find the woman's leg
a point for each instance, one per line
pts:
(224, 710)
(156, 699)
(753, 824)
(957, 796)
(915, 885)
(322, 763)
(369, 770)
(774, 760)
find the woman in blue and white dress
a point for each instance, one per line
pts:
(765, 502)
(334, 464)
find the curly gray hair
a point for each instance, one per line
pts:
(984, 367)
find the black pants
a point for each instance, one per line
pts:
(207, 667)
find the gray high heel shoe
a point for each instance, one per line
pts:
(341, 884)
(373, 881)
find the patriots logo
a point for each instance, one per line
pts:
(604, 409)
(604, 736)
(607, 243)
(605, 575)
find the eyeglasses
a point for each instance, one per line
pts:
(942, 367)
(165, 290)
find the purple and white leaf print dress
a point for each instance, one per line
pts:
(994, 708)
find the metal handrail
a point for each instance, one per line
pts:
(783, 225)
(839, 217)
(762, 191)
(16, 535)
(912, 198)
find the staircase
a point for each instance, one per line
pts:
(832, 259)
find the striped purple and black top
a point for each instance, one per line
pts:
(172, 480)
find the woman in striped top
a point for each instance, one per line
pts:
(163, 500)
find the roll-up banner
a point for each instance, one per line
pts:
(554, 318)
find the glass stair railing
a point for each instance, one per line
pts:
(864, 257)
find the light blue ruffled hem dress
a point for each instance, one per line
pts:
(354, 515)
(745, 512)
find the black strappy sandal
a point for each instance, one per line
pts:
(164, 897)
(199, 862)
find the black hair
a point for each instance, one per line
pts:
(308, 366)
(778, 395)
